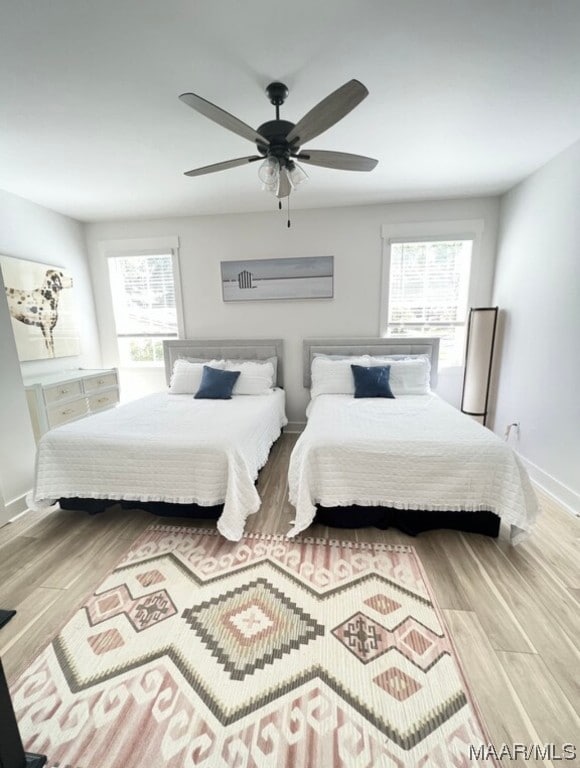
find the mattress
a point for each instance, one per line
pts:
(169, 448)
(412, 452)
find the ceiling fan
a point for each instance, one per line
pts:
(279, 142)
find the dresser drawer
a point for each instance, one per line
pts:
(96, 383)
(63, 391)
(61, 413)
(104, 400)
(63, 396)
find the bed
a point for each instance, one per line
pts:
(170, 453)
(413, 462)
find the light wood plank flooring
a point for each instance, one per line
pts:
(514, 614)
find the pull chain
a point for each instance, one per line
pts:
(288, 211)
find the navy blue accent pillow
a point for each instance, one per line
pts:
(372, 381)
(216, 384)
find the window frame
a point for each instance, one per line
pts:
(430, 231)
(144, 247)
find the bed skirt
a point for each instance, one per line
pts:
(161, 508)
(409, 521)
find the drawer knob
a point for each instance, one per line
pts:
(101, 381)
(63, 391)
(66, 412)
(102, 399)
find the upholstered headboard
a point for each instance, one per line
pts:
(370, 346)
(229, 349)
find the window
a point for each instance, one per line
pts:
(143, 293)
(428, 292)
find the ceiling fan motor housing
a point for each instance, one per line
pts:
(276, 131)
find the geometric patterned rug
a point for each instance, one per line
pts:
(265, 653)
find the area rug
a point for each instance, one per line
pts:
(266, 653)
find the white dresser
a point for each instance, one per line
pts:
(58, 398)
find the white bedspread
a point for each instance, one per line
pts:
(414, 452)
(165, 448)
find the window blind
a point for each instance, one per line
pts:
(143, 295)
(428, 292)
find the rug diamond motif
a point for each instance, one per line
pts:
(148, 578)
(251, 621)
(105, 641)
(363, 637)
(417, 642)
(383, 604)
(251, 626)
(151, 609)
(397, 683)
(142, 612)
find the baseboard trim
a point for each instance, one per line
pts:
(17, 507)
(295, 427)
(563, 495)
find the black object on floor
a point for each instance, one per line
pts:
(409, 521)
(12, 754)
(5, 617)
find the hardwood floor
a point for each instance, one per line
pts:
(513, 613)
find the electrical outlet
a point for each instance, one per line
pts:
(513, 427)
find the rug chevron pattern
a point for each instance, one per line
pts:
(265, 653)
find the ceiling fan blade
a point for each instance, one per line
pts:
(341, 161)
(223, 118)
(223, 166)
(284, 186)
(328, 112)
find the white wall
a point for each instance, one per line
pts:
(537, 284)
(29, 231)
(352, 235)
(17, 446)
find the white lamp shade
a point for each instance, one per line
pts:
(478, 362)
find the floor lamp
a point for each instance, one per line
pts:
(478, 361)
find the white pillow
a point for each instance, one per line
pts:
(186, 376)
(334, 377)
(410, 377)
(256, 378)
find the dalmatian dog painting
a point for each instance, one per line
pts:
(35, 294)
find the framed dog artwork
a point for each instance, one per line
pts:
(41, 303)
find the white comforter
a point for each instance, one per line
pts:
(165, 448)
(414, 452)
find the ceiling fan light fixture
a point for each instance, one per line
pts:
(269, 172)
(272, 188)
(296, 174)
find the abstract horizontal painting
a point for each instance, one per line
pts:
(196, 651)
(263, 279)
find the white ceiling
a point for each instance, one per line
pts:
(466, 97)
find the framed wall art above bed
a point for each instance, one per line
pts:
(266, 279)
